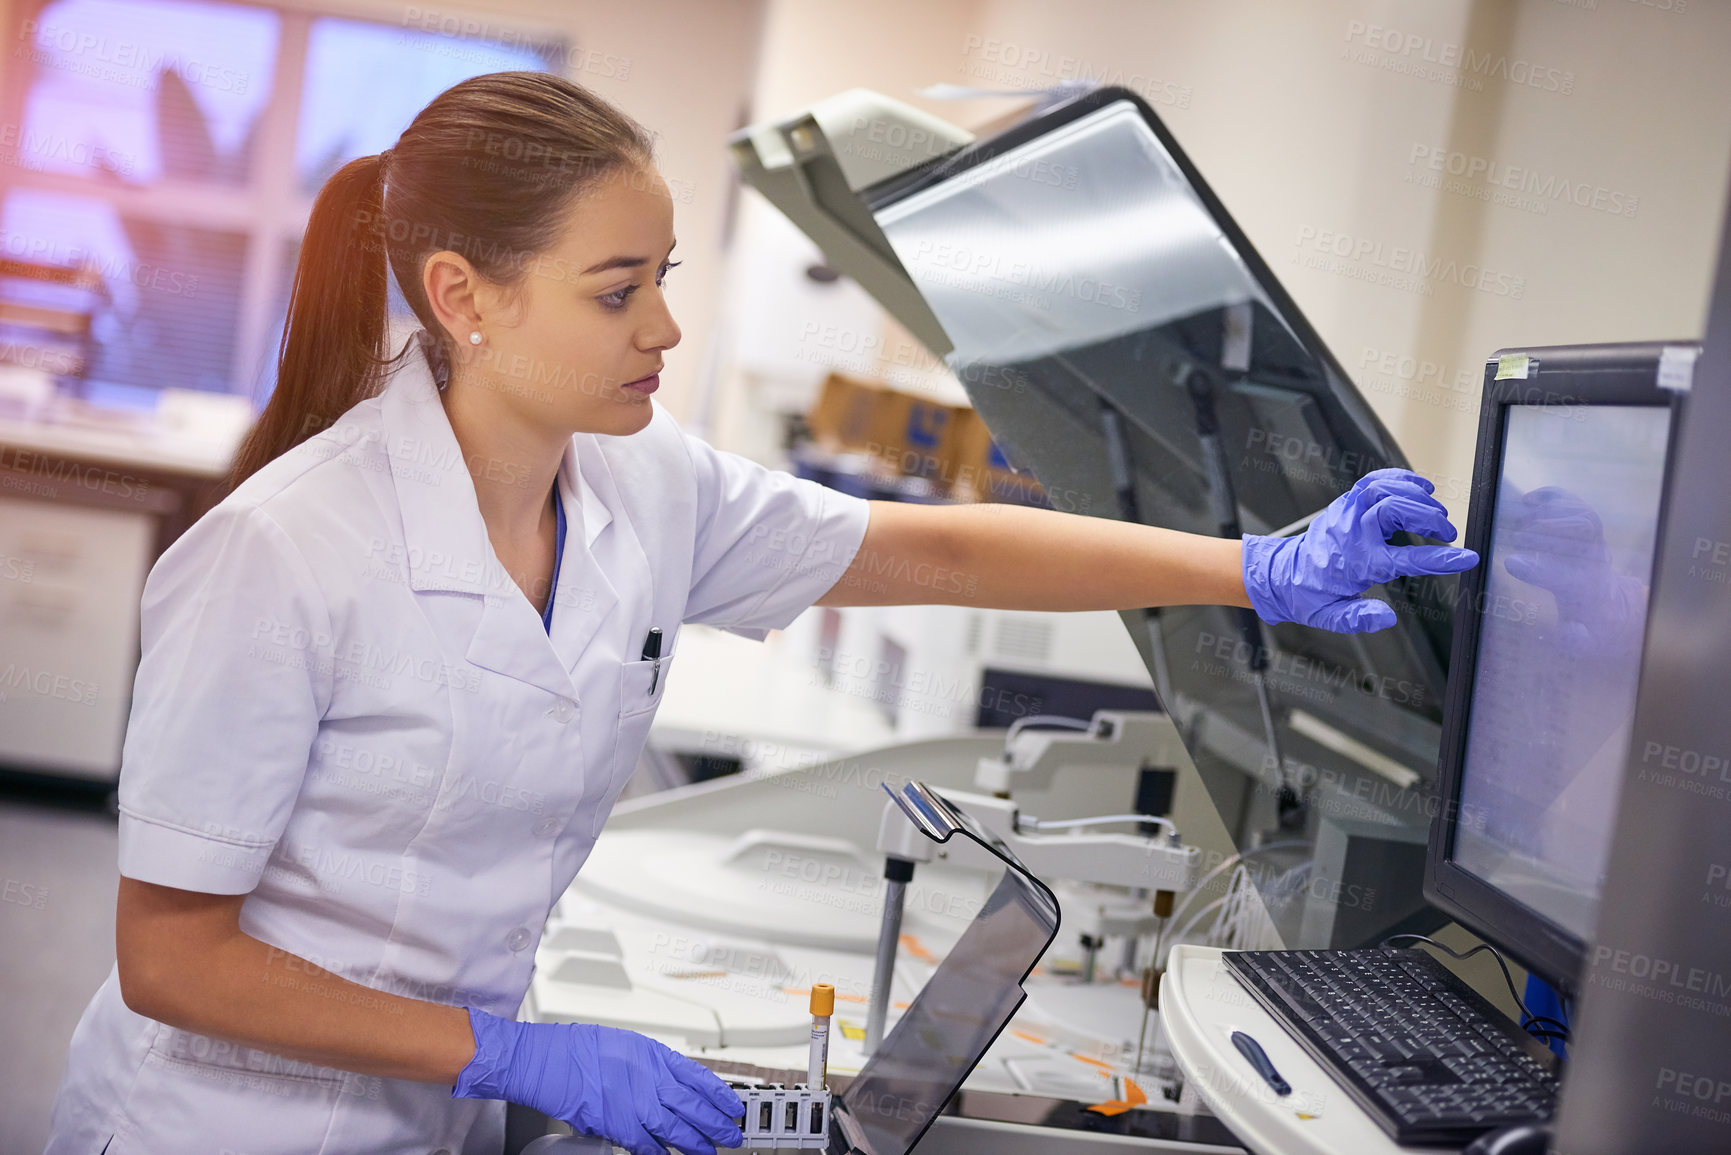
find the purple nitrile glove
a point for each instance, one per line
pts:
(1316, 578)
(617, 1084)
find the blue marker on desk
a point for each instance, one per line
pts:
(1252, 1050)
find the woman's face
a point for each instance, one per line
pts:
(577, 344)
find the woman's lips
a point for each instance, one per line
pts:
(645, 385)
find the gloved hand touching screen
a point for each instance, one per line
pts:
(603, 1081)
(1316, 578)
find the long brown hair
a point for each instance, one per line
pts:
(486, 170)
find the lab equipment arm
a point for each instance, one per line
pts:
(184, 961)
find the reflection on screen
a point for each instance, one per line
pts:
(1564, 606)
(1017, 267)
(950, 1025)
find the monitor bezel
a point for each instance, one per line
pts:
(1620, 374)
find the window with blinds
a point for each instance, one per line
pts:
(170, 151)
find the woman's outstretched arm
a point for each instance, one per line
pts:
(1013, 557)
(1017, 558)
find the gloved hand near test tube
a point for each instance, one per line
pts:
(624, 1086)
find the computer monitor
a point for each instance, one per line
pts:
(1568, 485)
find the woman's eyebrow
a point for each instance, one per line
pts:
(624, 262)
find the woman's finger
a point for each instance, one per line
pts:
(1403, 513)
(1414, 560)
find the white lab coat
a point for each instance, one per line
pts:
(347, 711)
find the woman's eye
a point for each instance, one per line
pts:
(616, 300)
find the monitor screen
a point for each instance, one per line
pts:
(1563, 608)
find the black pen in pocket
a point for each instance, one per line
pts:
(652, 652)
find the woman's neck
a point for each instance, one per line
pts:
(513, 463)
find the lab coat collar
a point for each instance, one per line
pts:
(445, 535)
(583, 598)
(448, 549)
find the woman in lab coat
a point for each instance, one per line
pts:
(392, 684)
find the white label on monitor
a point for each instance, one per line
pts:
(1677, 367)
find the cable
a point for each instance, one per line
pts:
(1202, 883)
(1529, 1018)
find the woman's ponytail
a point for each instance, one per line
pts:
(333, 341)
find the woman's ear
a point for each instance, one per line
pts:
(454, 292)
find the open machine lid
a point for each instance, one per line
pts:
(1125, 343)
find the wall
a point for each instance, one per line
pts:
(1317, 124)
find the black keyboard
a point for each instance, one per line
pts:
(1424, 1053)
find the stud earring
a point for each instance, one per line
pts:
(475, 337)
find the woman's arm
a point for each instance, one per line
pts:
(184, 961)
(1012, 557)
(1015, 558)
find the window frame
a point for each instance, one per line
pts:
(268, 209)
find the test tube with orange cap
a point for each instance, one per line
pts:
(822, 1007)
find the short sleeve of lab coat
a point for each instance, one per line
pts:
(233, 677)
(768, 544)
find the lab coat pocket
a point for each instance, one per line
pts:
(641, 687)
